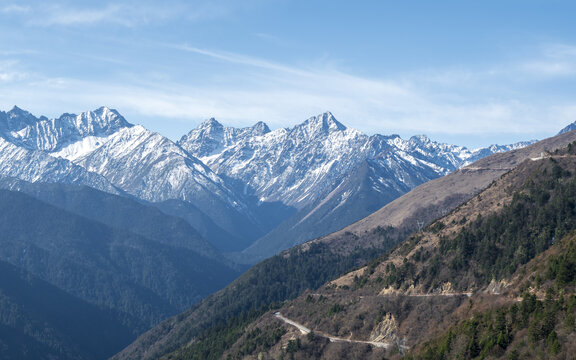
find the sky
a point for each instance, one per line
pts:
(470, 73)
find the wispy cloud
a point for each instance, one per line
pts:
(9, 72)
(17, 52)
(240, 59)
(555, 60)
(445, 101)
(118, 13)
(126, 13)
(15, 9)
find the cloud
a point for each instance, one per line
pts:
(119, 13)
(125, 13)
(15, 9)
(10, 73)
(239, 59)
(556, 60)
(471, 101)
(425, 102)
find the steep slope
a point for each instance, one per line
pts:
(315, 168)
(568, 128)
(40, 321)
(309, 265)
(55, 135)
(160, 170)
(468, 268)
(537, 323)
(211, 137)
(145, 280)
(26, 141)
(102, 150)
(438, 197)
(37, 166)
(358, 194)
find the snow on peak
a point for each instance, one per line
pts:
(212, 137)
(16, 119)
(322, 124)
(568, 128)
(210, 124)
(260, 128)
(422, 139)
(24, 129)
(102, 121)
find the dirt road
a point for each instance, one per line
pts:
(304, 330)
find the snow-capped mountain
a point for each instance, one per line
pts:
(332, 175)
(568, 128)
(102, 150)
(279, 187)
(24, 129)
(286, 165)
(300, 165)
(211, 137)
(37, 166)
(160, 170)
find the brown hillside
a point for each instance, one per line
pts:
(423, 204)
(399, 302)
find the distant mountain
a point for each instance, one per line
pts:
(329, 174)
(98, 147)
(211, 137)
(132, 269)
(118, 212)
(160, 170)
(37, 166)
(55, 135)
(252, 191)
(568, 128)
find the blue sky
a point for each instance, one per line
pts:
(465, 72)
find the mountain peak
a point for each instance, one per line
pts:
(20, 113)
(24, 129)
(568, 128)
(210, 123)
(329, 119)
(106, 111)
(260, 128)
(16, 119)
(111, 117)
(420, 139)
(16, 109)
(324, 123)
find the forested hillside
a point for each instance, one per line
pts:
(212, 327)
(138, 280)
(40, 321)
(471, 276)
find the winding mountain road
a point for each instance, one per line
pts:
(304, 330)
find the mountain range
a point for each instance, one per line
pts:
(250, 186)
(131, 223)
